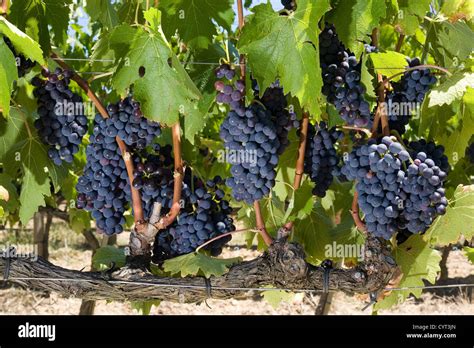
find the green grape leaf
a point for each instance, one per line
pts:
(23, 43)
(130, 12)
(301, 202)
(8, 74)
(452, 89)
(107, 255)
(160, 82)
(36, 16)
(469, 252)
(457, 9)
(194, 20)
(389, 63)
(79, 220)
(271, 41)
(417, 261)
(275, 297)
(102, 11)
(198, 264)
(22, 149)
(310, 232)
(354, 21)
(456, 40)
(410, 14)
(455, 143)
(367, 78)
(458, 220)
(144, 307)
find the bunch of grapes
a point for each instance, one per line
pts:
(253, 136)
(127, 122)
(470, 153)
(433, 151)
(393, 198)
(103, 188)
(411, 88)
(289, 5)
(61, 123)
(321, 160)
(275, 101)
(252, 144)
(24, 65)
(204, 216)
(341, 79)
(154, 178)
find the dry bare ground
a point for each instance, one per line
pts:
(68, 251)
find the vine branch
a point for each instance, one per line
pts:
(286, 229)
(136, 197)
(283, 265)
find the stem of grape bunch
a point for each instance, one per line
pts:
(299, 169)
(138, 215)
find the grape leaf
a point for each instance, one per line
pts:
(367, 78)
(198, 264)
(417, 261)
(22, 149)
(455, 143)
(452, 89)
(194, 19)
(355, 20)
(389, 63)
(469, 254)
(8, 74)
(130, 10)
(23, 43)
(38, 15)
(456, 40)
(102, 11)
(458, 220)
(286, 47)
(144, 307)
(410, 14)
(276, 297)
(457, 9)
(301, 202)
(107, 255)
(161, 84)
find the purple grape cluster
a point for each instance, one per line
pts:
(61, 123)
(103, 189)
(254, 136)
(127, 122)
(433, 151)
(341, 79)
(205, 215)
(289, 5)
(470, 153)
(412, 88)
(252, 143)
(275, 101)
(321, 160)
(395, 193)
